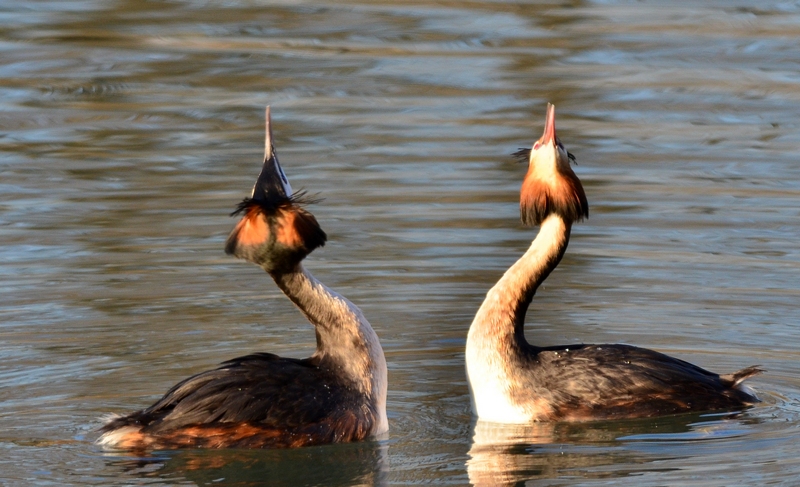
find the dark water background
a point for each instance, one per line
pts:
(129, 130)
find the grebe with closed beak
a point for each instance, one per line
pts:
(512, 381)
(262, 400)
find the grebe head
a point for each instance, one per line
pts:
(550, 185)
(275, 231)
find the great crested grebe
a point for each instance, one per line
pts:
(262, 400)
(512, 381)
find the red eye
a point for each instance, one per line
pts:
(536, 146)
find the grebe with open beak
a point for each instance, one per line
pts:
(512, 381)
(262, 400)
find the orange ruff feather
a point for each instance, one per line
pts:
(252, 230)
(287, 233)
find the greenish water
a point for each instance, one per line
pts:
(129, 131)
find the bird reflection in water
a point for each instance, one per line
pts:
(510, 454)
(350, 464)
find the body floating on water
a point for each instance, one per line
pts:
(262, 400)
(512, 381)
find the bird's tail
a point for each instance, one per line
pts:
(736, 378)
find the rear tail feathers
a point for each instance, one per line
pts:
(735, 379)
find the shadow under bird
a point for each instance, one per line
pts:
(513, 381)
(262, 400)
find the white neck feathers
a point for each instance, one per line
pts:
(496, 333)
(507, 301)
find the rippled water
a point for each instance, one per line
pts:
(129, 130)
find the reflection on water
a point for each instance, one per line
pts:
(129, 130)
(360, 464)
(509, 454)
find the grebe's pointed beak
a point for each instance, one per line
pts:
(271, 185)
(549, 135)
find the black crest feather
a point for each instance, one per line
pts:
(522, 155)
(299, 198)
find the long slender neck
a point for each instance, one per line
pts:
(343, 333)
(501, 318)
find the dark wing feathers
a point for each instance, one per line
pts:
(625, 381)
(259, 389)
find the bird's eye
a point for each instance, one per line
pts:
(536, 146)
